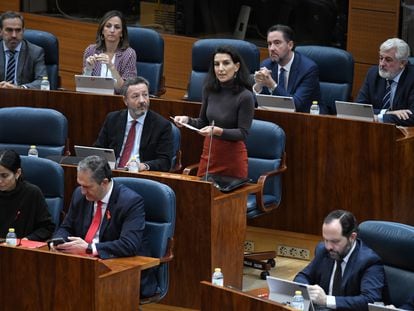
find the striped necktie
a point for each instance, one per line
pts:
(386, 100)
(11, 66)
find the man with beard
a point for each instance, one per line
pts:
(22, 64)
(345, 274)
(138, 130)
(389, 87)
(287, 73)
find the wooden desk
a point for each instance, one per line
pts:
(215, 298)
(363, 167)
(209, 232)
(35, 279)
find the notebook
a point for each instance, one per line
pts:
(379, 307)
(278, 103)
(282, 291)
(94, 84)
(355, 111)
(85, 151)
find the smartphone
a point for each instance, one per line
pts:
(56, 241)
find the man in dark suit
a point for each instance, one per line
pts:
(300, 75)
(22, 64)
(389, 87)
(105, 219)
(152, 139)
(345, 274)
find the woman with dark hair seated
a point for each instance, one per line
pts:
(22, 205)
(111, 56)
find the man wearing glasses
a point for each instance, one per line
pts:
(389, 87)
(22, 64)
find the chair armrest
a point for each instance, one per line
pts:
(169, 253)
(190, 170)
(178, 165)
(262, 181)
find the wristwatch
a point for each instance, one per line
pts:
(89, 249)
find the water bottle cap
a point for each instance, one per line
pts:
(315, 102)
(217, 270)
(11, 229)
(298, 292)
(45, 78)
(33, 146)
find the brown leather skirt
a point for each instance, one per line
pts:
(227, 158)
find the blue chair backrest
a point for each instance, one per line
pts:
(411, 60)
(202, 52)
(21, 127)
(49, 177)
(50, 45)
(159, 202)
(149, 47)
(265, 149)
(336, 73)
(394, 243)
(176, 135)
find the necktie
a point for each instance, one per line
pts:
(386, 100)
(282, 80)
(129, 144)
(11, 66)
(96, 221)
(336, 286)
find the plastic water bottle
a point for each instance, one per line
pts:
(133, 165)
(45, 85)
(298, 302)
(33, 151)
(314, 108)
(217, 278)
(11, 238)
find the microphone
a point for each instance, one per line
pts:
(209, 152)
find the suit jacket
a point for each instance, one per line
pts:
(409, 305)
(156, 145)
(31, 66)
(373, 91)
(363, 280)
(122, 229)
(303, 83)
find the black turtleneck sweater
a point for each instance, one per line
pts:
(24, 209)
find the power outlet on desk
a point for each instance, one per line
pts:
(293, 252)
(248, 246)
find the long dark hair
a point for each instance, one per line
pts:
(100, 41)
(10, 159)
(242, 78)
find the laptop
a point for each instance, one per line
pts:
(278, 103)
(282, 291)
(354, 111)
(85, 151)
(379, 307)
(94, 84)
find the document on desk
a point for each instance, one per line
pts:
(187, 125)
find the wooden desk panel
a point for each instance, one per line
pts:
(209, 232)
(215, 298)
(34, 279)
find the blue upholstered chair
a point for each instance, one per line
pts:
(50, 45)
(149, 46)
(201, 58)
(336, 74)
(394, 243)
(266, 156)
(411, 60)
(176, 158)
(21, 127)
(49, 177)
(159, 200)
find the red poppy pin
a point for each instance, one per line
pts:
(108, 215)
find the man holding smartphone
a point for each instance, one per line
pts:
(105, 219)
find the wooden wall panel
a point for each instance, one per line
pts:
(360, 71)
(377, 5)
(9, 5)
